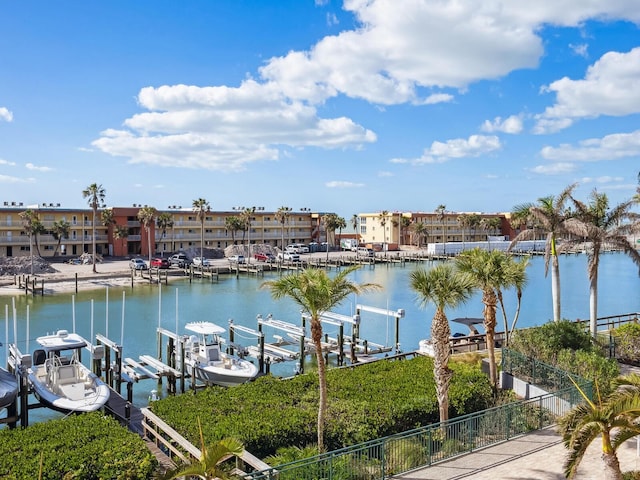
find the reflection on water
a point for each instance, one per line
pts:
(133, 322)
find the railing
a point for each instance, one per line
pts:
(547, 377)
(396, 454)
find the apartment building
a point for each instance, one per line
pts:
(391, 229)
(126, 236)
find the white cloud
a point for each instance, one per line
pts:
(512, 124)
(343, 184)
(31, 166)
(611, 87)
(610, 147)
(580, 49)
(603, 180)
(554, 168)
(332, 19)
(10, 179)
(440, 152)
(6, 115)
(6, 162)
(385, 174)
(223, 128)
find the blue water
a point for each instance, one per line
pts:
(242, 299)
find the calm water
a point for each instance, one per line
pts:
(241, 299)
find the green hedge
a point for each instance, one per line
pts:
(627, 338)
(89, 446)
(365, 403)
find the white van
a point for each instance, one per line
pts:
(365, 252)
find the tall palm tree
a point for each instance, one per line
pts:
(210, 456)
(147, 217)
(32, 227)
(94, 194)
(341, 224)
(600, 226)
(282, 215)
(487, 270)
(614, 419)
(317, 293)
(444, 287)
(59, 230)
(246, 216)
(474, 222)
(201, 207)
(515, 276)
(405, 224)
(550, 214)
(384, 218)
(355, 221)
(440, 212)
(330, 221)
(107, 219)
(164, 222)
(464, 220)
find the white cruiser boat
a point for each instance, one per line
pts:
(60, 380)
(207, 360)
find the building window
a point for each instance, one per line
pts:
(363, 229)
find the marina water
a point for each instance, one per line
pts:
(145, 307)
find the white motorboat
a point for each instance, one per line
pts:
(60, 380)
(203, 354)
(8, 388)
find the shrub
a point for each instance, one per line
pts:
(546, 341)
(627, 339)
(87, 446)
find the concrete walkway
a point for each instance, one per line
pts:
(538, 455)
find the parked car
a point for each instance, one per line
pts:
(138, 264)
(205, 262)
(288, 257)
(264, 257)
(365, 252)
(159, 262)
(179, 259)
(236, 259)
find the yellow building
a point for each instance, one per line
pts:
(393, 229)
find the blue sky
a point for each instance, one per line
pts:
(352, 106)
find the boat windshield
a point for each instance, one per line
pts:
(211, 339)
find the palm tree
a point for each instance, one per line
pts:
(164, 223)
(330, 221)
(383, 223)
(405, 224)
(282, 215)
(201, 207)
(316, 293)
(515, 276)
(421, 230)
(59, 230)
(355, 221)
(147, 217)
(120, 233)
(550, 214)
(464, 221)
(474, 222)
(600, 226)
(341, 223)
(210, 456)
(445, 288)
(487, 269)
(32, 227)
(106, 218)
(233, 224)
(246, 216)
(440, 211)
(95, 194)
(614, 419)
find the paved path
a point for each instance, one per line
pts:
(536, 456)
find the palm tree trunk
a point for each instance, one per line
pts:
(489, 300)
(555, 287)
(593, 304)
(93, 240)
(316, 336)
(440, 333)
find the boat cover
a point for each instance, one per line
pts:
(8, 387)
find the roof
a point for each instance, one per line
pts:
(204, 328)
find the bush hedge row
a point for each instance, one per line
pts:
(89, 446)
(365, 402)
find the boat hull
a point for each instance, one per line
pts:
(77, 397)
(241, 372)
(8, 388)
